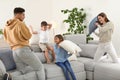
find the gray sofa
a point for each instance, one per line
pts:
(84, 68)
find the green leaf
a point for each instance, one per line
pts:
(75, 19)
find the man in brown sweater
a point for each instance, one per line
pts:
(17, 36)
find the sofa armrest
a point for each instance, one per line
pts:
(107, 71)
(2, 70)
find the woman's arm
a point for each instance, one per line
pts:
(105, 28)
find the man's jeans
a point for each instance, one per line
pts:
(25, 57)
(66, 67)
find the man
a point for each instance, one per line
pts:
(17, 36)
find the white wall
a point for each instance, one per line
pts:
(36, 11)
(50, 10)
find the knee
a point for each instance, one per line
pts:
(46, 50)
(51, 48)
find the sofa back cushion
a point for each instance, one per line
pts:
(88, 50)
(76, 38)
(34, 39)
(35, 47)
(7, 58)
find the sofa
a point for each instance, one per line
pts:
(84, 67)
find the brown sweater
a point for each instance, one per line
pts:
(16, 34)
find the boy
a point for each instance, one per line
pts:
(44, 39)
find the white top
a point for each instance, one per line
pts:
(43, 36)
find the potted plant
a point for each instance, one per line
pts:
(1, 33)
(75, 19)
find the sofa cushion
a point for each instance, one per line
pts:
(107, 71)
(88, 50)
(34, 39)
(88, 62)
(35, 48)
(7, 57)
(52, 70)
(76, 38)
(16, 75)
(2, 69)
(41, 56)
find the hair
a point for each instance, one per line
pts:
(44, 23)
(59, 36)
(103, 15)
(18, 10)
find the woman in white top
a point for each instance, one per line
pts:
(106, 28)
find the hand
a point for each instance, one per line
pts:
(49, 26)
(30, 26)
(96, 24)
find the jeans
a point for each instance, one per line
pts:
(108, 48)
(66, 67)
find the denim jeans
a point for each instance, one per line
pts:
(66, 67)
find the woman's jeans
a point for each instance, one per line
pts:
(66, 67)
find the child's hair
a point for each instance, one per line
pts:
(60, 37)
(44, 23)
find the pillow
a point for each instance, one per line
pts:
(73, 57)
(2, 69)
(7, 59)
(34, 39)
(70, 47)
(88, 50)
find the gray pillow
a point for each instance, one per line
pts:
(88, 50)
(7, 58)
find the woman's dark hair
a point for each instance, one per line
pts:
(44, 23)
(103, 15)
(18, 10)
(59, 36)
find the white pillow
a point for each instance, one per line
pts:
(73, 57)
(34, 39)
(70, 47)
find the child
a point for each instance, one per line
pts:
(44, 39)
(61, 58)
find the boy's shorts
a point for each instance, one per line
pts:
(43, 46)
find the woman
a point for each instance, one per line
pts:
(105, 38)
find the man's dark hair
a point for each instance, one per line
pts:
(44, 23)
(18, 10)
